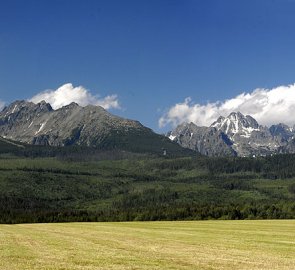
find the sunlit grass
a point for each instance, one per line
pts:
(268, 244)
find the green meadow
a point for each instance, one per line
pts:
(239, 244)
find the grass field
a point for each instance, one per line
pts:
(265, 244)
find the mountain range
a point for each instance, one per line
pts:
(91, 126)
(235, 135)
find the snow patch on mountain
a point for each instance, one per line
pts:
(172, 138)
(41, 128)
(236, 124)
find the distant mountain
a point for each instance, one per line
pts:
(91, 126)
(236, 124)
(235, 134)
(206, 140)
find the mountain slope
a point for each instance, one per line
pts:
(248, 137)
(206, 140)
(282, 130)
(90, 126)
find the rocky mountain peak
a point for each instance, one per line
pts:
(15, 106)
(21, 106)
(236, 134)
(236, 123)
(69, 107)
(73, 104)
(44, 106)
(235, 116)
(282, 130)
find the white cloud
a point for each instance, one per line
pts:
(67, 93)
(2, 104)
(267, 106)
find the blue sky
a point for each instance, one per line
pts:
(151, 54)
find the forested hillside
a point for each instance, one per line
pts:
(65, 184)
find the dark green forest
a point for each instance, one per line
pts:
(48, 184)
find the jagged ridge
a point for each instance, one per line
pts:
(235, 134)
(93, 126)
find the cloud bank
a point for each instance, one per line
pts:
(267, 106)
(67, 93)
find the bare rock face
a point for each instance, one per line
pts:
(282, 131)
(235, 134)
(39, 124)
(206, 140)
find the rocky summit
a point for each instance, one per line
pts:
(91, 126)
(235, 134)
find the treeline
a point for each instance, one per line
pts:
(117, 145)
(148, 205)
(271, 167)
(167, 212)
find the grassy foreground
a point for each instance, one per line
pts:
(265, 244)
